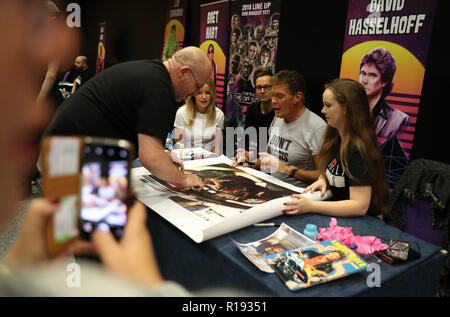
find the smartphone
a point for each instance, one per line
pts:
(105, 186)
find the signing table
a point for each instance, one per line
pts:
(219, 263)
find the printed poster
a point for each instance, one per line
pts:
(101, 51)
(214, 31)
(254, 28)
(386, 48)
(175, 28)
(230, 200)
(225, 186)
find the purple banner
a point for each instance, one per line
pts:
(385, 49)
(101, 50)
(253, 47)
(214, 31)
(175, 28)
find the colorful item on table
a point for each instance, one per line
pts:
(366, 244)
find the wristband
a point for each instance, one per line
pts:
(294, 170)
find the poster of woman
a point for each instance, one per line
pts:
(214, 32)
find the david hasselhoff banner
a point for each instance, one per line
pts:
(385, 49)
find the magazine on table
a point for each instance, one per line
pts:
(283, 239)
(315, 264)
(232, 198)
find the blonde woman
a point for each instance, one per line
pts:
(199, 122)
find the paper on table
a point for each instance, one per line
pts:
(283, 239)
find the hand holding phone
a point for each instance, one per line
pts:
(30, 247)
(89, 179)
(135, 250)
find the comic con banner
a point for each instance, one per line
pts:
(214, 31)
(101, 51)
(253, 47)
(174, 31)
(385, 49)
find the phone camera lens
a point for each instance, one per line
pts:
(118, 232)
(98, 150)
(123, 154)
(87, 227)
(103, 227)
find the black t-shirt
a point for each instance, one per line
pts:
(120, 102)
(86, 75)
(71, 74)
(339, 181)
(255, 118)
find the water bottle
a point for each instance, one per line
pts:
(169, 142)
(311, 231)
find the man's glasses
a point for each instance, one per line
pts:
(265, 87)
(195, 79)
(192, 73)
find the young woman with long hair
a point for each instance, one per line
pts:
(199, 122)
(350, 160)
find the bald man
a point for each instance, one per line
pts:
(83, 72)
(81, 63)
(137, 101)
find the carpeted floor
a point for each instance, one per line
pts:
(8, 233)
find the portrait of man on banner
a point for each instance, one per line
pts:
(392, 101)
(377, 70)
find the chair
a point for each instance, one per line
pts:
(420, 205)
(418, 222)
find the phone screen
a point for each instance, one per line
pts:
(104, 188)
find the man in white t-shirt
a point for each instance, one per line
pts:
(295, 135)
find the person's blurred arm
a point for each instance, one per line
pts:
(49, 81)
(132, 259)
(133, 256)
(30, 247)
(76, 83)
